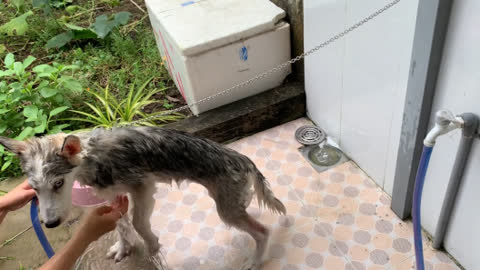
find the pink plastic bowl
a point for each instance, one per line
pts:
(84, 196)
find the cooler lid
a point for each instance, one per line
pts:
(200, 25)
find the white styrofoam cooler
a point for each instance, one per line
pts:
(212, 45)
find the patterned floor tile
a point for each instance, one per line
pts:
(337, 219)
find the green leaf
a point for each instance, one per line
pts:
(72, 9)
(9, 60)
(122, 18)
(167, 105)
(74, 27)
(44, 71)
(6, 165)
(57, 3)
(47, 92)
(31, 112)
(78, 32)
(3, 111)
(27, 62)
(43, 68)
(39, 3)
(16, 26)
(18, 68)
(19, 4)
(43, 84)
(69, 67)
(42, 126)
(2, 48)
(72, 84)
(42, 4)
(3, 127)
(58, 110)
(16, 86)
(103, 25)
(58, 128)
(27, 132)
(60, 40)
(6, 73)
(59, 98)
(84, 34)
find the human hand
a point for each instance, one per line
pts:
(103, 219)
(17, 197)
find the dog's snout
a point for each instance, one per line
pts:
(52, 224)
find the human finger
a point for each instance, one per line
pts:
(111, 217)
(102, 210)
(25, 185)
(29, 193)
(122, 205)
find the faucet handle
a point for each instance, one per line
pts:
(445, 117)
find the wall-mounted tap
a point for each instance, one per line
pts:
(445, 122)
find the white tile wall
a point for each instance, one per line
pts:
(356, 87)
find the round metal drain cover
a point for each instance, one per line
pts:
(309, 135)
(325, 156)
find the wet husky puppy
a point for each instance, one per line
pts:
(131, 160)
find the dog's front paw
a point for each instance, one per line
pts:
(119, 251)
(250, 264)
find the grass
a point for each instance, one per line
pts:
(121, 60)
(128, 55)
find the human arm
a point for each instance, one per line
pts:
(15, 199)
(97, 223)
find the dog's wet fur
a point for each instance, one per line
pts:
(131, 160)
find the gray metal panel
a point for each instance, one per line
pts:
(430, 32)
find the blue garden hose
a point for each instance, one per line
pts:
(417, 200)
(38, 229)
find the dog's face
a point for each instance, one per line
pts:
(49, 162)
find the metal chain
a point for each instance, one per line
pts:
(275, 69)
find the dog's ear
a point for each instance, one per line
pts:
(14, 146)
(71, 146)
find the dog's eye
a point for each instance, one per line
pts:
(58, 184)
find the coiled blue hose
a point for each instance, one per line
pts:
(38, 229)
(417, 201)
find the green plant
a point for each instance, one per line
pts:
(102, 26)
(16, 26)
(112, 3)
(19, 5)
(48, 5)
(32, 101)
(112, 111)
(121, 60)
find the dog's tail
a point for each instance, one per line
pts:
(265, 196)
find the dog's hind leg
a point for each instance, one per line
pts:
(232, 212)
(142, 211)
(261, 234)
